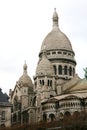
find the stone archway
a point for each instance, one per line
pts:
(52, 117)
(76, 114)
(67, 113)
(44, 117)
(67, 117)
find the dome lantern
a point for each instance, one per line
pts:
(55, 19)
(25, 68)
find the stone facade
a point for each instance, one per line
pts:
(57, 90)
(5, 110)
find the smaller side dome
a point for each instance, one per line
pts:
(44, 66)
(25, 80)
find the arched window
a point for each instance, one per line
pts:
(42, 82)
(65, 70)
(67, 114)
(55, 72)
(52, 117)
(48, 82)
(70, 71)
(60, 69)
(51, 83)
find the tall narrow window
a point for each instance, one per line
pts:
(65, 70)
(3, 115)
(42, 82)
(54, 69)
(70, 71)
(44, 117)
(48, 83)
(60, 69)
(51, 83)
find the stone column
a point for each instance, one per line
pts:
(53, 83)
(45, 80)
(38, 84)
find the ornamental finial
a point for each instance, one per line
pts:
(25, 67)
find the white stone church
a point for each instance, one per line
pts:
(57, 90)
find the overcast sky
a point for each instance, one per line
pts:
(24, 25)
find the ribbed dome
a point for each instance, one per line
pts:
(25, 80)
(44, 67)
(56, 39)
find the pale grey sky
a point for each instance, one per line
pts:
(23, 26)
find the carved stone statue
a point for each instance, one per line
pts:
(85, 72)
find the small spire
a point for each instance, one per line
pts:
(55, 18)
(25, 68)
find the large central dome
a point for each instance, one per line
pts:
(59, 51)
(56, 40)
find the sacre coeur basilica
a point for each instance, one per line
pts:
(57, 89)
